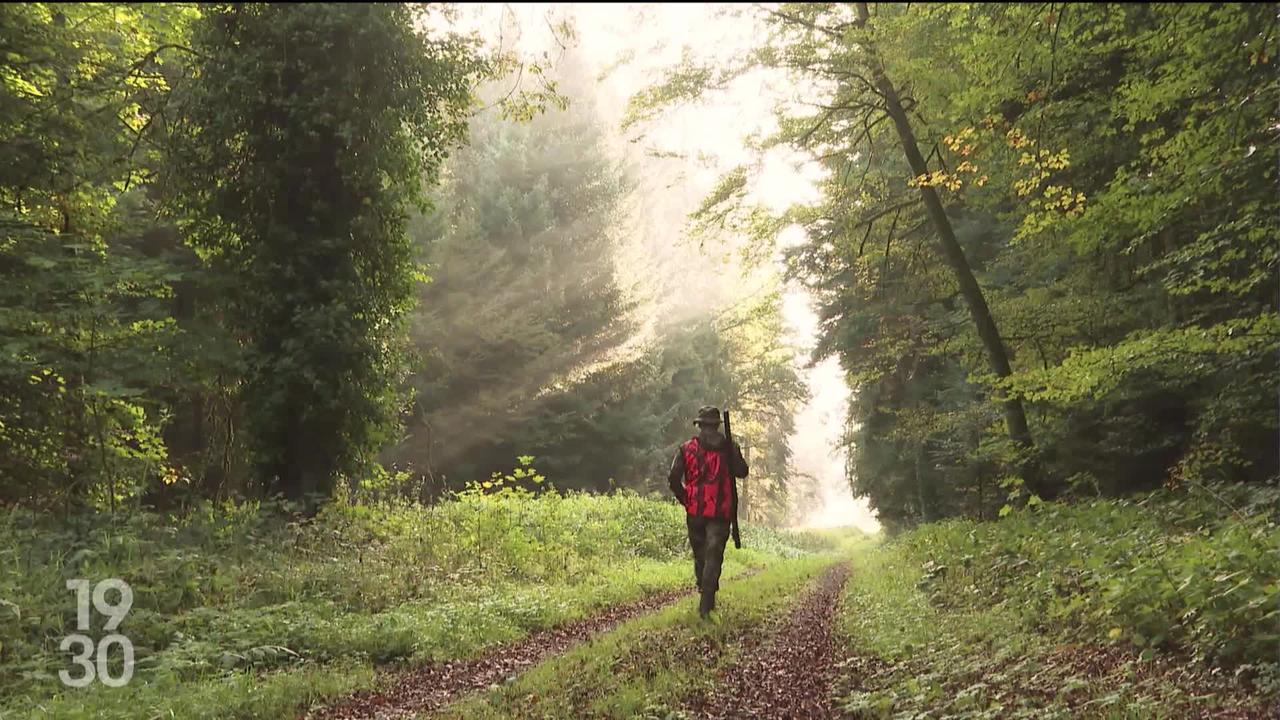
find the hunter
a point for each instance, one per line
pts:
(700, 479)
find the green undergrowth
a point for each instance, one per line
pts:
(644, 668)
(243, 611)
(1125, 609)
(1195, 573)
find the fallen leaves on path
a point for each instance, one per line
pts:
(1087, 680)
(787, 673)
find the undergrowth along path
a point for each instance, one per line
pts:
(433, 686)
(787, 673)
(437, 684)
(911, 650)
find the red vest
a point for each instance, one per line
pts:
(707, 488)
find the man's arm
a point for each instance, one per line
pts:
(675, 477)
(739, 465)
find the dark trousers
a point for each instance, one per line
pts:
(707, 537)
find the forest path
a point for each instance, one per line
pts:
(434, 686)
(787, 672)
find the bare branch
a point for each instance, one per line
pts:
(885, 211)
(888, 241)
(821, 121)
(828, 31)
(863, 244)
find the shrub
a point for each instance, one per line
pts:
(1195, 572)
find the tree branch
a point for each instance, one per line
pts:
(828, 31)
(885, 211)
(888, 240)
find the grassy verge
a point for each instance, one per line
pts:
(239, 612)
(1110, 610)
(645, 667)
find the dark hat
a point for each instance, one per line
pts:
(709, 415)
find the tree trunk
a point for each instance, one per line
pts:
(1014, 415)
(920, 491)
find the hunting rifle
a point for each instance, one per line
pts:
(733, 480)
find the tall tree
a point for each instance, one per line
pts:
(520, 324)
(954, 256)
(529, 343)
(86, 350)
(307, 133)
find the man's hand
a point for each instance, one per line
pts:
(675, 478)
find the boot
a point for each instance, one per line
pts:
(707, 604)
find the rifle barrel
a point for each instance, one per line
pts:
(733, 481)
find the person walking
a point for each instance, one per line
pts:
(700, 479)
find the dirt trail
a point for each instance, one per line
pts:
(787, 672)
(433, 686)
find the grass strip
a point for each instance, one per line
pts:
(909, 658)
(644, 668)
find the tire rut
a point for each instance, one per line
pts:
(785, 674)
(435, 685)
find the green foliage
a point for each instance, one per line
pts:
(517, 482)
(208, 281)
(528, 341)
(516, 332)
(87, 344)
(306, 135)
(1038, 615)
(686, 82)
(121, 362)
(226, 595)
(1108, 171)
(87, 348)
(1186, 355)
(1163, 573)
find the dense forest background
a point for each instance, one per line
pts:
(1046, 248)
(258, 250)
(239, 266)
